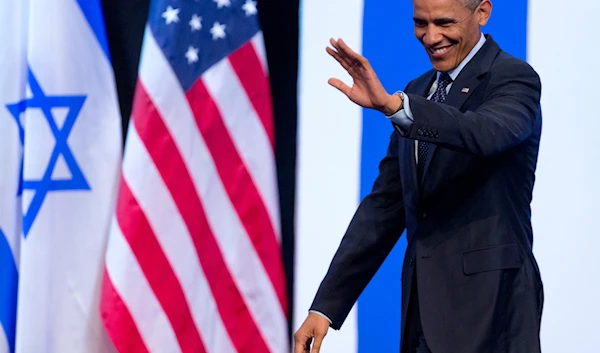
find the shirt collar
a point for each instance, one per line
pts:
(454, 73)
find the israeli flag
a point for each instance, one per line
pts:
(340, 146)
(61, 127)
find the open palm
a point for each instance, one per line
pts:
(366, 91)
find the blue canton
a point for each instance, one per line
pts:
(195, 35)
(41, 187)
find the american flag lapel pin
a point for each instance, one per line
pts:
(465, 90)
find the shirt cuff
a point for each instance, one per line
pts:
(403, 117)
(320, 313)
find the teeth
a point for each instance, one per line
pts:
(440, 51)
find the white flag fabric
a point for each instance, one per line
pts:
(13, 27)
(61, 112)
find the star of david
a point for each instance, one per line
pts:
(47, 183)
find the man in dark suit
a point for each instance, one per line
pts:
(458, 176)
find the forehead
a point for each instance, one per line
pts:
(430, 9)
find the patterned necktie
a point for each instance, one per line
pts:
(438, 96)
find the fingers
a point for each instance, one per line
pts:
(307, 345)
(338, 58)
(346, 50)
(342, 56)
(314, 326)
(349, 55)
(302, 343)
(341, 86)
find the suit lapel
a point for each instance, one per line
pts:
(455, 98)
(421, 89)
(465, 84)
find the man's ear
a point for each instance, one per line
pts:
(484, 12)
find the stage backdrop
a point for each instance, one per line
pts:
(340, 146)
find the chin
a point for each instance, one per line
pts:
(442, 66)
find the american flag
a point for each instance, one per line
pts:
(193, 262)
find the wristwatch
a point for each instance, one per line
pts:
(403, 97)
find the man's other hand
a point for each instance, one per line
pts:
(313, 329)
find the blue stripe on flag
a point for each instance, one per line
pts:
(397, 57)
(93, 13)
(8, 291)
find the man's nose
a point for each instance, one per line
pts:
(432, 36)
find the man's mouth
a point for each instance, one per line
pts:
(440, 51)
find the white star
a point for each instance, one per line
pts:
(218, 31)
(250, 8)
(192, 55)
(223, 3)
(196, 23)
(171, 15)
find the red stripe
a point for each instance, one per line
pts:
(239, 185)
(238, 322)
(118, 321)
(156, 268)
(249, 70)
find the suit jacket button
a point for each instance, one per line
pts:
(420, 132)
(423, 215)
(411, 262)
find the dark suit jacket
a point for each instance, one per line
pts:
(468, 223)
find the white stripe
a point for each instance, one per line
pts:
(14, 70)
(258, 43)
(247, 132)
(245, 266)
(329, 143)
(130, 283)
(152, 194)
(3, 341)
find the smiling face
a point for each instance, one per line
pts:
(448, 29)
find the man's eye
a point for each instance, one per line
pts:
(420, 23)
(445, 24)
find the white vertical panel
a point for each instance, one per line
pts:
(566, 205)
(329, 136)
(3, 343)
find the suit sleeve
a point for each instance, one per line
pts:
(505, 119)
(374, 230)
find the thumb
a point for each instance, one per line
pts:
(341, 86)
(302, 342)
